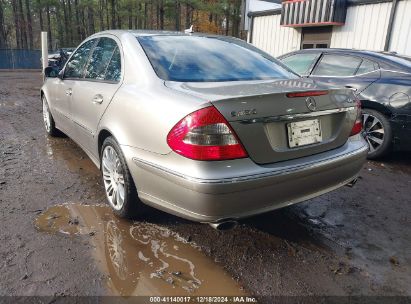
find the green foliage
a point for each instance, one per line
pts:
(97, 15)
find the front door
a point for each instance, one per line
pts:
(62, 103)
(73, 71)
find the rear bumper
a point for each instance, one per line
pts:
(202, 197)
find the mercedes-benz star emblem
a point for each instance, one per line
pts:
(311, 104)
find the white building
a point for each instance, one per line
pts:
(381, 25)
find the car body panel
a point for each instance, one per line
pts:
(199, 192)
(387, 90)
(140, 110)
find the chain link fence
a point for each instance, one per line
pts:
(20, 59)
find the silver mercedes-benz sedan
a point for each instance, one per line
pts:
(205, 127)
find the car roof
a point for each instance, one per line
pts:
(140, 33)
(373, 55)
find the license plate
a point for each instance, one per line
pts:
(304, 133)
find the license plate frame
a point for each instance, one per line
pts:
(304, 133)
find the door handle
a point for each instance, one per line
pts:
(69, 92)
(98, 99)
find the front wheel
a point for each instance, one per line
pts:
(48, 120)
(119, 186)
(377, 131)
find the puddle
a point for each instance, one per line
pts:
(140, 259)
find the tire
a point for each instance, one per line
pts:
(378, 133)
(48, 120)
(118, 183)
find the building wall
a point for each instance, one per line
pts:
(365, 27)
(276, 40)
(401, 31)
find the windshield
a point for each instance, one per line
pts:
(201, 59)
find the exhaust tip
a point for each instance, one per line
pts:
(224, 225)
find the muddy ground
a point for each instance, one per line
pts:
(353, 241)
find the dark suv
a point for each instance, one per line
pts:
(382, 82)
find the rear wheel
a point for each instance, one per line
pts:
(377, 132)
(119, 186)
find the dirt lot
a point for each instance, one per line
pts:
(354, 241)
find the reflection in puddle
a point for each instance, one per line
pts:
(140, 258)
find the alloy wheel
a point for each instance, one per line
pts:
(46, 116)
(113, 178)
(373, 131)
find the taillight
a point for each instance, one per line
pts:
(307, 94)
(357, 128)
(205, 135)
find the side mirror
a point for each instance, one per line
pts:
(51, 72)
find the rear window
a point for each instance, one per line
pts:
(201, 59)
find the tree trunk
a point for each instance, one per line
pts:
(107, 15)
(90, 13)
(22, 24)
(178, 15)
(29, 24)
(60, 25)
(130, 16)
(40, 15)
(3, 41)
(100, 14)
(78, 25)
(16, 23)
(66, 25)
(119, 23)
(145, 16)
(227, 18)
(113, 15)
(188, 15)
(161, 15)
(70, 22)
(50, 38)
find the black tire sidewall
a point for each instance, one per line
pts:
(386, 146)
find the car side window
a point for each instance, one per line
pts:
(75, 66)
(337, 65)
(100, 59)
(366, 66)
(300, 63)
(113, 72)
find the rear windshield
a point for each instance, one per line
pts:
(201, 59)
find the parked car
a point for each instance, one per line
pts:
(58, 59)
(382, 81)
(205, 127)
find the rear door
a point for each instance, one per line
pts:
(93, 93)
(346, 70)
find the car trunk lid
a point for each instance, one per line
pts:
(273, 123)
